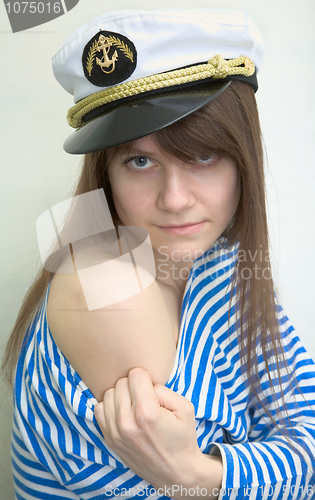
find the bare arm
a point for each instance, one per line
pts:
(103, 345)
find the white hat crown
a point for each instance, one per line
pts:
(158, 40)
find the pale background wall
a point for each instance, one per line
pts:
(36, 173)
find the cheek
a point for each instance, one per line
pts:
(225, 196)
(123, 203)
(231, 194)
(129, 202)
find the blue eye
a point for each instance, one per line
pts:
(140, 162)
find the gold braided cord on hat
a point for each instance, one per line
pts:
(217, 67)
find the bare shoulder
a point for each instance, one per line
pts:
(104, 344)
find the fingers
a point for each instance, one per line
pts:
(122, 399)
(105, 413)
(141, 387)
(100, 416)
(177, 404)
(147, 425)
(131, 402)
(145, 404)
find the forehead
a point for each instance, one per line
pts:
(146, 146)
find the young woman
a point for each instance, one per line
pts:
(197, 385)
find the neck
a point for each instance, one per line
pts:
(172, 273)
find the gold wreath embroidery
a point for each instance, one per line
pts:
(122, 46)
(91, 57)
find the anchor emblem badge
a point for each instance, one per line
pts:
(108, 58)
(105, 44)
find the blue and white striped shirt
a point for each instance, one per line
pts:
(58, 450)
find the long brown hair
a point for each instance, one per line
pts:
(229, 126)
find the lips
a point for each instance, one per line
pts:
(188, 228)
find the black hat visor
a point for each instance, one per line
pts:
(138, 118)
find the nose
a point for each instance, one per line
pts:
(176, 192)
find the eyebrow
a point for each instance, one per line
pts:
(134, 151)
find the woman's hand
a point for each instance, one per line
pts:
(152, 429)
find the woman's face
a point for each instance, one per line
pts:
(185, 209)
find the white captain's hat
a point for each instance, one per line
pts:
(134, 72)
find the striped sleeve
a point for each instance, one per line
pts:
(277, 462)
